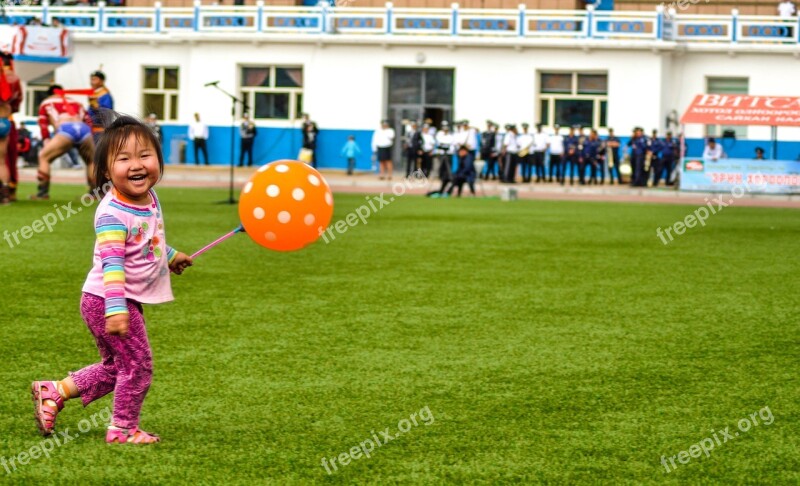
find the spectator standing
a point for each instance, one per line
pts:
(524, 155)
(382, 141)
(556, 153)
(100, 100)
(489, 150)
(444, 150)
(669, 154)
(540, 143)
(510, 153)
(428, 146)
(198, 133)
(350, 151)
(247, 132)
(571, 145)
(612, 156)
(639, 148)
(310, 132)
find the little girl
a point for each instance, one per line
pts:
(132, 263)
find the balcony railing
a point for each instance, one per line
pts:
(414, 22)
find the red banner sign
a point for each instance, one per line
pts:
(719, 109)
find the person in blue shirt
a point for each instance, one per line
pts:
(612, 155)
(655, 157)
(591, 157)
(571, 156)
(639, 148)
(100, 100)
(669, 154)
(350, 151)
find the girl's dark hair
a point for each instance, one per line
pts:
(112, 141)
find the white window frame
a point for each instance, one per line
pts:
(573, 95)
(168, 93)
(249, 92)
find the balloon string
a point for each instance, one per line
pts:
(217, 241)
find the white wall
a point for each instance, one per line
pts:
(344, 84)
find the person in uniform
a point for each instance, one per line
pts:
(413, 148)
(428, 146)
(612, 156)
(639, 148)
(571, 144)
(488, 150)
(556, 153)
(540, 143)
(524, 155)
(444, 149)
(669, 154)
(655, 157)
(509, 153)
(591, 157)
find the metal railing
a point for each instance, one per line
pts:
(449, 22)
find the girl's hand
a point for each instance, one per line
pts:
(179, 264)
(117, 325)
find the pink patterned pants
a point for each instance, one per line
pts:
(126, 367)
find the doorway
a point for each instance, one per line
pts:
(417, 95)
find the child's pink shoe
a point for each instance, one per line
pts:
(45, 413)
(116, 435)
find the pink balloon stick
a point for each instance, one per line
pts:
(216, 242)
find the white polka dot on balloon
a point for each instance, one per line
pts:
(309, 219)
(248, 187)
(282, 168)
(284, 217)
(273, 190)
(314, 180)
(328, 199)
(259, 213)
(298, 194)
(270, 236)
(263, 168)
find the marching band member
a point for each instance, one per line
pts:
(540, 143)
(509, 152)
(524, 155)
(556, 153)
(639, 149)
(571, 145)
(612, 157)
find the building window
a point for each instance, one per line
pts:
(570, 98)
(273, 92)
(160, 93)
(35, 93)
(731, 86)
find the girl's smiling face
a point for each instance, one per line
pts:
(135, 169)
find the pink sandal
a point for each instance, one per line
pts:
(116, 435)
(45, 414)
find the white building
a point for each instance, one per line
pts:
(349, 68)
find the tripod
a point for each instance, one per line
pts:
(234, 100)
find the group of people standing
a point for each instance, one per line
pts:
(537, 155)
(553, 156)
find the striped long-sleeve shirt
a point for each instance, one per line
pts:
(131, 257)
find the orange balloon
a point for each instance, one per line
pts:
(286, 205)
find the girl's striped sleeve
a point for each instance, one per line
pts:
(111, 236)
(171, 254)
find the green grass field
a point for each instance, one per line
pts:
(551, 342)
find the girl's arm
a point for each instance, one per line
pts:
(111, 236)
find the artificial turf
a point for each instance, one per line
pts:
(551, 342)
